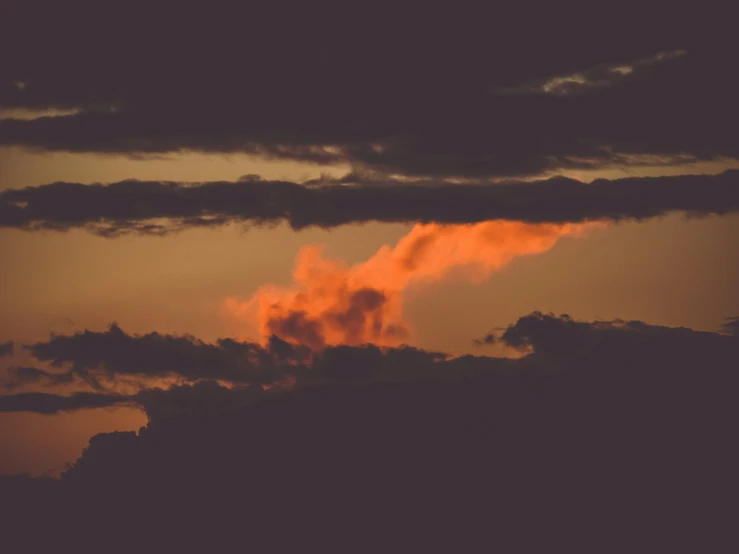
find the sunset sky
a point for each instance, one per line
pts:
(331, 187)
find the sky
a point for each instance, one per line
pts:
(222, 210)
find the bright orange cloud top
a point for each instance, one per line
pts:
(332, 303)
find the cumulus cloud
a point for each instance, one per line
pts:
(153, 207)
(331, 303)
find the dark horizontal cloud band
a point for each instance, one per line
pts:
(550, 342)
(157, 207)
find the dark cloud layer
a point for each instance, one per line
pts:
(152, 207)
(94, 356)
(45, 403)
(603, 436)
(731, 326)
(393, 92)
(549, 342)
(608, 432)
(99, 359)
(590, 79)
(6, 348)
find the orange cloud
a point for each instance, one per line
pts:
(333, 303)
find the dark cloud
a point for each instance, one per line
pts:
(6, 348)
(590, 79)
(619, 346)
(550, 335)
(160, 207)
(607, 429)
(44, 403)
(486, 340)
(549, 341)
(374, 91)
(101, 358)
(731, 326)
(23, 375)
(94, 356)
(201, 399)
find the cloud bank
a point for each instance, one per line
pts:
(602, 427)
(549, 342)
(369, 96)
(152, 207)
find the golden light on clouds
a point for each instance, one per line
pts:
(331, 302)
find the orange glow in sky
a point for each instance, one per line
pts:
(332, 303)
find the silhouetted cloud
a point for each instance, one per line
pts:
(550, 335)
(591, 79)
(152, 207)
(201, 399)
(113, 353)
(6, 348)
(23, 375)
(603, 422)
(551, 343)
(486, 340)
(419, 106)
(52, 403)
(611, 433)
(731, 326)
(96, 358)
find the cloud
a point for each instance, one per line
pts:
(330, 303)
(19, 376)
(44, 403)
(102, 359)
(550, 343)
(6, 348)
(591, 79)
(201, 399)
(604, 424)
(731, 326)
(97, 356)
(486, 340)
(624, 349)
(554, 335)
(152, 207)
(344, 96)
